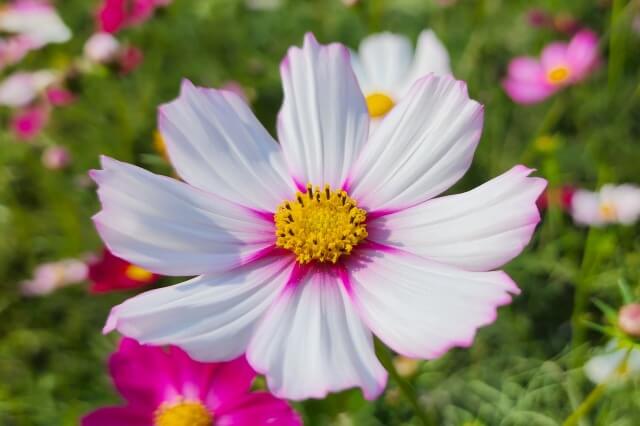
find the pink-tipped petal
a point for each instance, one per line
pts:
(311, 342)
(421, 148)
(582, 53)
(217, 144)
(111, 416)
(420, 308)
(170, 228)
(212, 317)
(322, 125)
(479, 230)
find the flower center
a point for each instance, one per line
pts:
(320, 225)
(608, 211)
(137, 273)
(379, 104)
(558, 75)
(183, 413)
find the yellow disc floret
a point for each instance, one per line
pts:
(558, 75)
(320, 225)
(183, 413)
(379, 104)
(137, 273)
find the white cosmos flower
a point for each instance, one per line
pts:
(20, 88)
(610, 365)
(35, 19)
(387, 67)
(612, 204)
(301, 281)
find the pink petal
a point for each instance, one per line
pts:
(582, 53)
(257, 409)
(121, 416)
(228, 382)
(554, 55)
(525, 92)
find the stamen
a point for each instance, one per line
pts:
(321, 231)
(379, 104)
(558, 75)
(183, 412)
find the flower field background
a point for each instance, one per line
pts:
(527, 368)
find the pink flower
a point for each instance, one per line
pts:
(52, 276)
(166, 387)
(59, 96)
(22, 88)
(560, 197)
(56, 157)
(110, 273)
(305, 248)
(102, 48)
(113, 15)
(629, 319)
(530, 80)
(612, 204)
(130, 59)
(28, 123)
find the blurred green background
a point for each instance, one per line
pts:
(522, 370)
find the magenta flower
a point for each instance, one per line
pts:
(167, 388)
(29, 122)
(530, 80)
(113, 15)
(306, 248)
(56, 157)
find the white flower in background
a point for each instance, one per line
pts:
(610, 366)
(612, 204)
(49, 277)
(36, 20)
(21, 88)
(306, 248)
(102, 48)
(386, 67)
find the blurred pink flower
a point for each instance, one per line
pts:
(113, 15)
(35, 21)
(51, 276)
(21, 88)
(13, 49)
(130, 59)
(629, 319)
(612, 204)
(102, 48)
(111, 273)
(532, 80)
(59, 96)
(56, 157)
(167, 387)
(28, 123)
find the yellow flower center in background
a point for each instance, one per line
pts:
(608, 211)
(137, 273)
(159, 145)
(558, 74)
(320, 225)
(183, 413)
(379, 104)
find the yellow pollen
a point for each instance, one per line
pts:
(159, 145)
(608, 211)
(558, 74)
(183, 413)
(320, 225)
(379, 104)
(137, 273)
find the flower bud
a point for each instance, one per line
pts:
(629, 319)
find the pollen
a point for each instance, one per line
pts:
(137, 273)
(379, 104)
(183, 413)
(320, 225)
(608, 211)
(558, 75)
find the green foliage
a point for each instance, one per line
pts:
(522, 370)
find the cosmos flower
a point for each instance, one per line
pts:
(34, 24)
(27, 123)
(167, 388)
(629, 319)
(56, 157)
(610, 366)
(102, 48)
(51, 276)
(612, 204)
(21, 88)
(531, 80)
(303, 248)
(387, 67)
(114, 15)
(110, 273)
(561, 198)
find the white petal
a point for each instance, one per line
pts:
(431, 57)
(421, 148)
(606, 367)
(212, 317)
(312, 342)
(170, 228)
(420, 308)
(385, 60)
(323, 122)
(40, 22)
(217, 144)
(585, 208)
(478, 230)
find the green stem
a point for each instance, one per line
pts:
(551, 118)
(594, 396)
(405, 387)
(616, 41)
